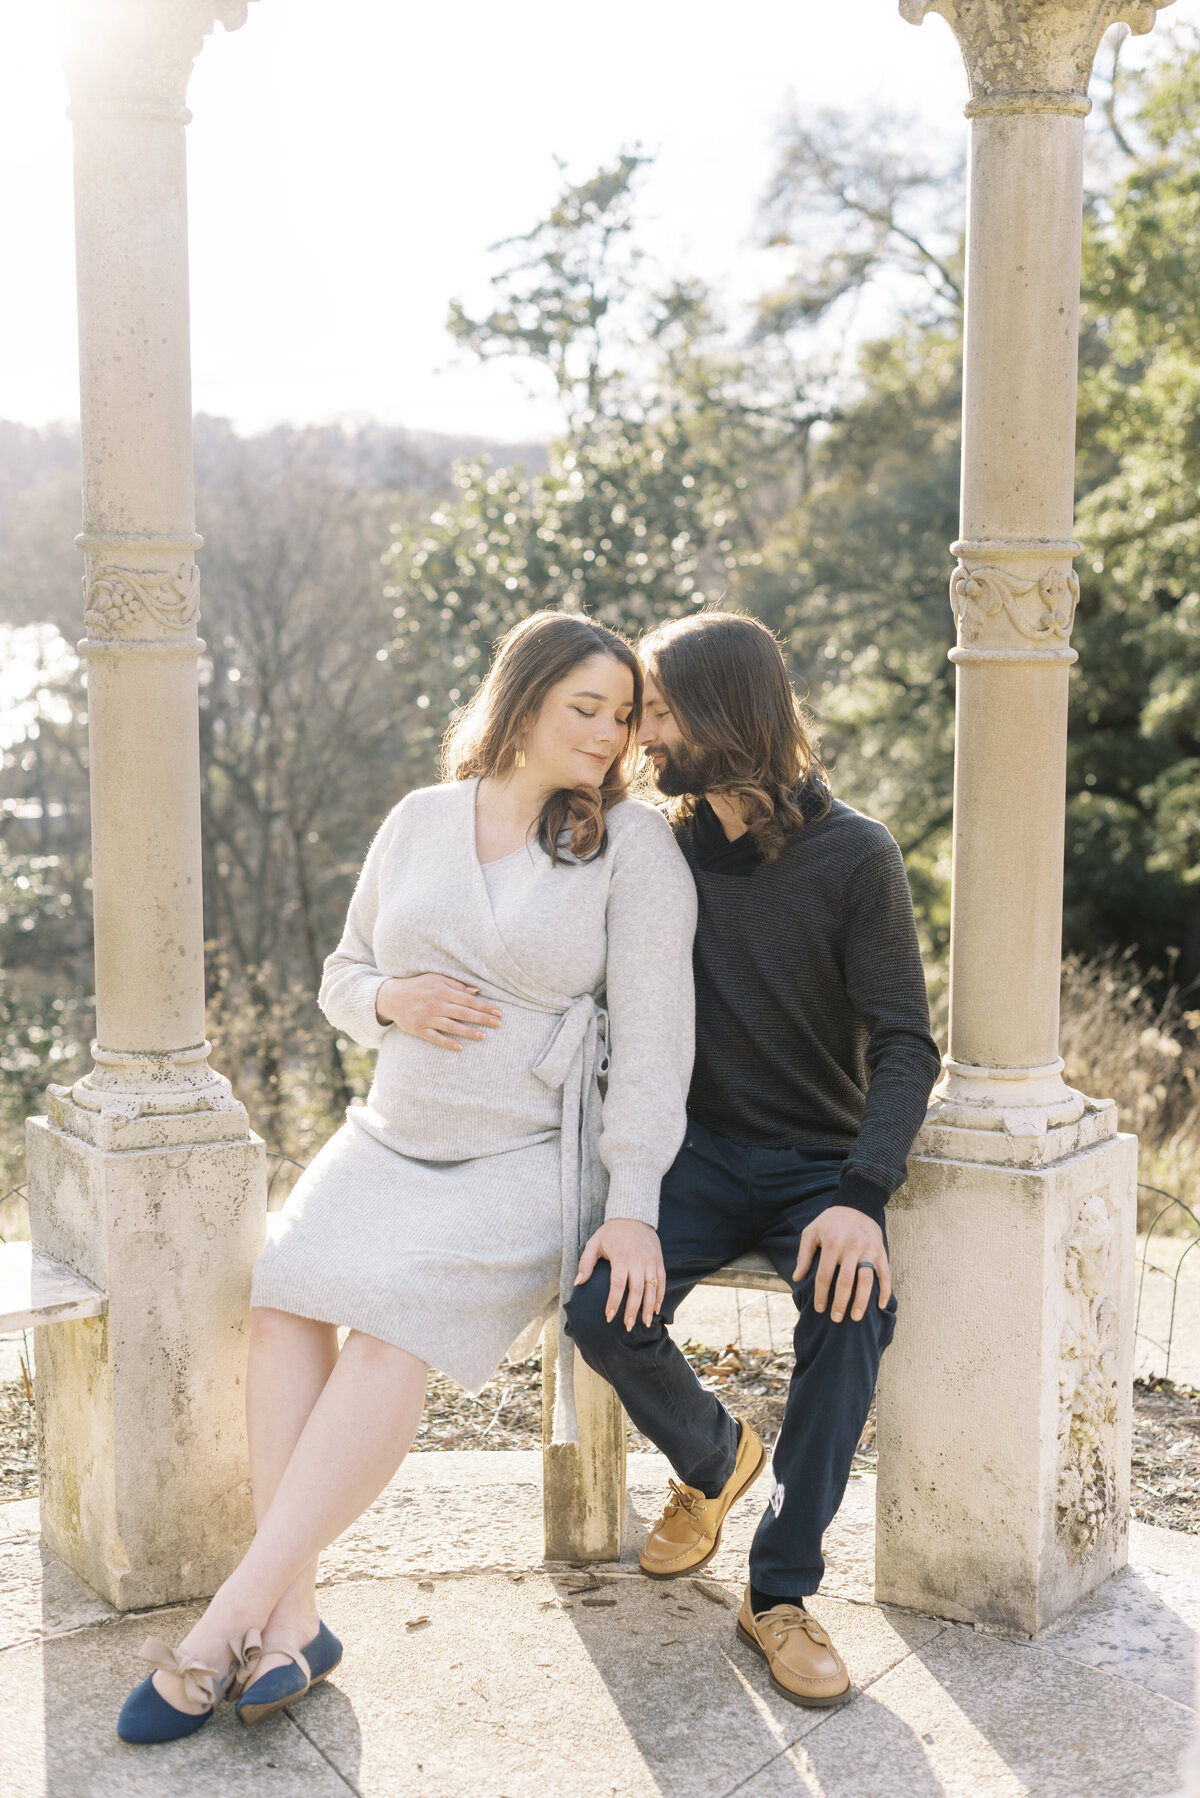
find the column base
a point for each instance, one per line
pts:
(1005, 1401)
(141, 1435)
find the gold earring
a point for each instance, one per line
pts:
(519, 758)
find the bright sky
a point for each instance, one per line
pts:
(351, 160)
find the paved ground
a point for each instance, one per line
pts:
(472, 1671)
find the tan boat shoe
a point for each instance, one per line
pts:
(804, 1664)
(688, 1534)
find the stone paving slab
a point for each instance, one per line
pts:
(58, 1706)
(474, 1511)
(471, 1669)
(975, 1717)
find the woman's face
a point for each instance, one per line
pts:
(583, 725)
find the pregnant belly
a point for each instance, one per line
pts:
(439, 1105)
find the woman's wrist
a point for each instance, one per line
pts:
(382, 1016)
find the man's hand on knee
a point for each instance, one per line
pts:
(634, 1256)
(851, 1247)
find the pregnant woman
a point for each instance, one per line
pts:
(518, 948)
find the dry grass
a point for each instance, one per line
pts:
(1124, 1037)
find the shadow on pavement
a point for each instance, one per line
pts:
(700, 1706)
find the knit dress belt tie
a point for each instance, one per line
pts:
(576, 1060)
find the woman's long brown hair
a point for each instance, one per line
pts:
(530, 659)
(724, 678)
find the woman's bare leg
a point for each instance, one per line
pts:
(291, 1358)
(356, 1435)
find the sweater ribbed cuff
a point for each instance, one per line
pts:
(633, 1192)
(861, 1194)
(362, 1020)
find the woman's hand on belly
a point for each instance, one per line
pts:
(435, 1008)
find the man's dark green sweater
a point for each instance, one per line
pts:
(812, 1023)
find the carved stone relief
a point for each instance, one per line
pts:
(135, 56)
(121, 601)
(1042, 607)
(1032, 55)
(1087, 1481)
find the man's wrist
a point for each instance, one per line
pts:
(862, 1194)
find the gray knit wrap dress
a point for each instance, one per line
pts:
(448, 1213)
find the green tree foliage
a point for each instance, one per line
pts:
(1133, 854)
(700, 469)
(683, 450)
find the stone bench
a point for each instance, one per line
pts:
(583, 1484)
(36, 1289)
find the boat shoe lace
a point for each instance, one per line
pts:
(785, 1619)
(683, 1498)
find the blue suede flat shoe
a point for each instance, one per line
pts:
(283, 1685)
(146, 1716)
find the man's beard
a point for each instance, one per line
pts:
(681, 770)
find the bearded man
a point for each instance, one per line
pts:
(814, 1064)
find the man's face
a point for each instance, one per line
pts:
(662, 741)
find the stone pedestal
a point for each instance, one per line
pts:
(141, 1440)
(145, 1180)
(1004, 1402)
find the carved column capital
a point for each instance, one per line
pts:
(1032, 55)
(134, 57)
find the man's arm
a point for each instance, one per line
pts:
(885, 983)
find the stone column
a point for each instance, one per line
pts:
(145, 1178)
(1005, 1405)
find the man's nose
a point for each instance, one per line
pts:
(646, 734)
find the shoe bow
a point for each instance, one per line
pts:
(247, 1652)
(199, 1681)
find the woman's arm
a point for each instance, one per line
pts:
(652, 1014)
(357, 996)
(651, 1010)
(351, 980)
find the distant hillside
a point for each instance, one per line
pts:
(40, 567)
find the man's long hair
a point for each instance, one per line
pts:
(746, 734)
(483, 740)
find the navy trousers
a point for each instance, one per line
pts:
(719, 1200)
